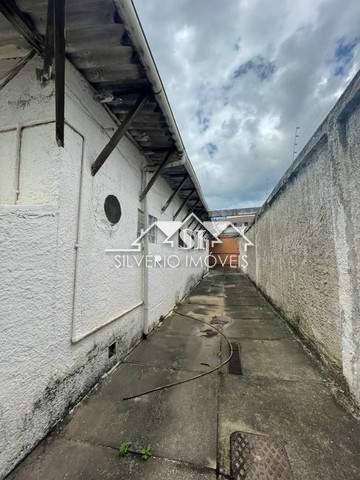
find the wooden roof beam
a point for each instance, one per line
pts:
(54, 44)
(119, 133)
(156, 174)
(192, 209)
(175, 192)
(183, 203)
(49, 43)
(22, 24)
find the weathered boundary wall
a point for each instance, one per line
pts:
(307, 240)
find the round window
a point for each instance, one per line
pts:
(112, 209)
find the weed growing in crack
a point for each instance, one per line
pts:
(146, 453)
(124, 449)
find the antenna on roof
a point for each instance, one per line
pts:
(296, 137)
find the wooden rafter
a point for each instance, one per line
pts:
(192, 207)
(183, 203)
(22, 24)
(175, 192)
(16, 69)
(156, 174)
(52, 45)
(49, 43)
(119, 133)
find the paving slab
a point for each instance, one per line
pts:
(208, 288)
(235, 279)
(257, 328)
(237, 288)
(206, 300)
(176, 324)
(279, 359)
(242, 294)
(60, 459)
(278, 393)
(204, 312)
(250, 311)
(180, 352)
(322, 441)
(177, 423)
(238, 284)
(246, 300)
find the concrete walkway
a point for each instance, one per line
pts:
(276, 390)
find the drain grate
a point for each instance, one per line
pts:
(234, 366)
(258, 457)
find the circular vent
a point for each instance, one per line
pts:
(112, 209)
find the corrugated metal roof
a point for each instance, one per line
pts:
(99, 45)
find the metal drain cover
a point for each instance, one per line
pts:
(258, 457)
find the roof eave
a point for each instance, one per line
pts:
(128, 13)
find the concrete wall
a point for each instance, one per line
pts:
(62, 301)
(307, 240)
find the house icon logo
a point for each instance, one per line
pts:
(193, 233)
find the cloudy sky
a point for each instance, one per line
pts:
(242, 74)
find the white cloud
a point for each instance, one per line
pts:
(241, 75)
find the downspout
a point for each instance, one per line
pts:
(19, 130)
(145, 252)
(132, 24)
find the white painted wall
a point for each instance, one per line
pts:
(58, 204)
(167, 286)
(307, 242)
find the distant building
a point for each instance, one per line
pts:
(240, 217)
(228, 252)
